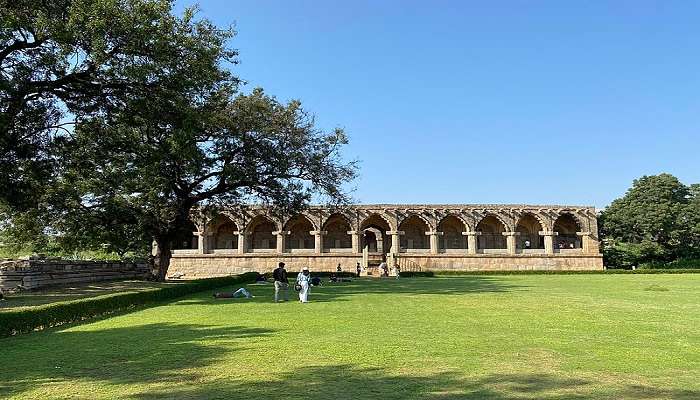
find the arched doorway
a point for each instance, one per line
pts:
(374, 242)
(300, 238)
(337, 238)
(491, 239)
(528, 238)
(452, 239)
(261, 238)
(223, 237)
(414, 238)
(566, 227)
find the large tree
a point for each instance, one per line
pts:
(653, 221)
(202, 150)
(159, 128)
(64, 60)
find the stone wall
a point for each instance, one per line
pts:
(34, 274)
(195, 266)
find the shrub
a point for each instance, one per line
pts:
(414, 274)
(682, 263)
(553, 272)
(32, 318)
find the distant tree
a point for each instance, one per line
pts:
(690, 218)
(650, 222)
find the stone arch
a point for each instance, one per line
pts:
(452, 227)
(374, 237)
(224, 232)
(299, 228)
(337, 238)
(260, 230)
(566, 226)
(414, 228)
(491, 228)
(528, 228)
(313, 219)
(430, 224)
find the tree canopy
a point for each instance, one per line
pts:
(65, 60)
(656, 220)
(158, 125)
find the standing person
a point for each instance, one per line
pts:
(304, 281)
(527, 244)
(281, 282)
(359, 269)
(338, 269)
(384, 269)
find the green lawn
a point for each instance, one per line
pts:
(476, 337)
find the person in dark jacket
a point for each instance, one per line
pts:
(281, 282)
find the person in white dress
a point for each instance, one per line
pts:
(304, 280)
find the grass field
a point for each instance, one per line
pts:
(476, 337)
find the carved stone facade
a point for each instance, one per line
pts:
(413, 237)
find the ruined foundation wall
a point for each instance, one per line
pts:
(35, 274)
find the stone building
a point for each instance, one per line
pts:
(414, 237)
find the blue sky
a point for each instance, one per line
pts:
(486, 102)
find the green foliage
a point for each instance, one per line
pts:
(32, 318)
(655, 221)
(65, 60)
(683, 263)
(415, 274)
(160, 127)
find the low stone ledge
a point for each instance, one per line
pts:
(34, 274)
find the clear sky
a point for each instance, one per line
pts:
(536, 102)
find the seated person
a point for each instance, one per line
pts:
(315, 281)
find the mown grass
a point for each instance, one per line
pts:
(461, 337)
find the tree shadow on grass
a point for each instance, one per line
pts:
(348, 382)
(162, 352)
(341, 291)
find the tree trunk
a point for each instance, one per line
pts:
(161, 260)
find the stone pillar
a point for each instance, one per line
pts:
(548, 241)
(281, 240)
(242, 241)
(588, 243)
(318, 242)
(395, 241)
(510, 241)
(355, 236)
(471, 241)
(434, 242)
(203, 242)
